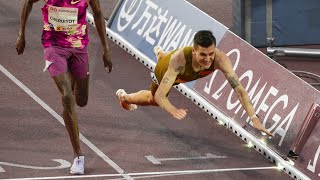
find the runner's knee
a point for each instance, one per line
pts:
(81, 97)
(68, 101)
(81, 91)
(81, 102)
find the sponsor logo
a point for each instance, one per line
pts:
(75, 2)
(154, 24)
(52, 8)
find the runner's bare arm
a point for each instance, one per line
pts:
(101, 28)
(25, 11)
(224, 64)
(99, 22)
(176, 65)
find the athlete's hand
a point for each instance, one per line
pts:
(259, 126)
(179, 113)
(107, 60)
(20, 44)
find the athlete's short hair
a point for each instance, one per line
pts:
(204, 38)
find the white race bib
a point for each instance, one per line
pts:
(62, 18)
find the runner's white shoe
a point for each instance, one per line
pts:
(130, 107)
(77, 166)
(157, 50)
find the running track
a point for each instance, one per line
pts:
(114, 141)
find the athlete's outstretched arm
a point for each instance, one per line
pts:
(176, 65)
(224, 64)
(101, 28)
(25, 11)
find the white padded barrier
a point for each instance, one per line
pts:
(208, 108)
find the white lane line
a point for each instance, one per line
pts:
(60, 119)
(63, 164)
(155, 160)
(145, 174)
(190, 173)
(2, 170)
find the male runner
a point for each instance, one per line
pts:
(65, 39)
(183, 65)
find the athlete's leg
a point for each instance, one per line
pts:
(58, 70)
(141, 98)
(163, 54)
(79, 72)
(160, 53)
(80, 90)
(70, 118)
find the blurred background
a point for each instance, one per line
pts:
(278, 24)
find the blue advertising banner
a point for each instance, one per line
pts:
(169, 24)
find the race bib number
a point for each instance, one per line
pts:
(62, 18)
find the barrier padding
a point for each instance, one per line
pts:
(279, 97)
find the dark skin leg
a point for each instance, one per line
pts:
(80, 89)
(70, 118)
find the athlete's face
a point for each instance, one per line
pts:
(204, 56)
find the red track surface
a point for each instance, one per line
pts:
(30, 135)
